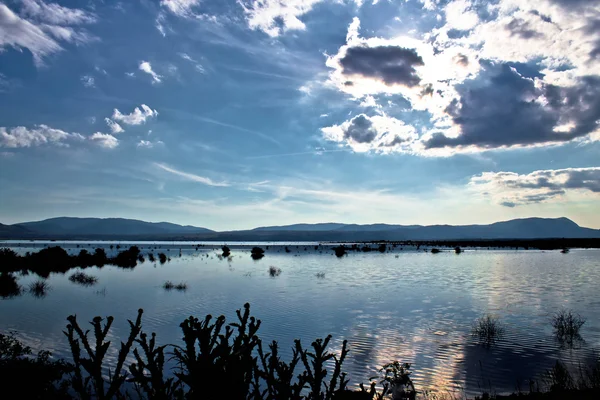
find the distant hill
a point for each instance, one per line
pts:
(117, 228)
(67, 227)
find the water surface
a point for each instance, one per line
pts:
(403, 305)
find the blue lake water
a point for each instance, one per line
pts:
(406, 305)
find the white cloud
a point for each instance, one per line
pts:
(380, 134)
(146, 67)
(114, 127)
(41, 28)
(105, 140)
(130, 74)
(275, 17)
(511, 189)
(88, 81)
(190, 177)
(460, 15)
(137, 117)
(181, 8)
(56, 14)
(21, 136)
(148, 144)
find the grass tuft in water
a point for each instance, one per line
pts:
(488, 329)
(274, 271)
(567, 324)
(39, 288)
(168, 285)
(83, 279)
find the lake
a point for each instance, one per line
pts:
(406, 305)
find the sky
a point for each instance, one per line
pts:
(236, 114)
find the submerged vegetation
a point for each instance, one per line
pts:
(39, 288)
(567, 325)
(83, 279)
(222, 360)
(168, 285)
(488, 330)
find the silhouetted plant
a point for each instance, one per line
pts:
(257, 253)
(488, 329)
(399, 383)
(274, 271)
(340, 251)
(457, 250)
(382, 247)
(8, 286)
(226, 251)
(39, 288)
(27, 377)
(151, 257)
(83, 279)
(435, 251)
(566, 326)
(565, 251)
(94, 384)
(320, 275)
(162, 257)
(148, 371)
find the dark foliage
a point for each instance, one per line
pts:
(162, 257)
(340, 251)
(28, 377)
(56, 259)
(257, 253)
(226, 251)
(8, 286)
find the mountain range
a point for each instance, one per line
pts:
(67, 228)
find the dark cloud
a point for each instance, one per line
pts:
(513, 189)
(502, 108)
(584, 179)
(391, 64)
(573, 3)
(361, 130)
(461, 59)
(520, 27)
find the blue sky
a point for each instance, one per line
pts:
(235, 114)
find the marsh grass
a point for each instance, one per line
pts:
(39, 288)
(274, 271)
(320, 275)
(83, 279)
(168, 285)
(488, 329)
(566, 325)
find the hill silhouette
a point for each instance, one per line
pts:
(118, 228)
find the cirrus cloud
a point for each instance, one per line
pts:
(41, 27)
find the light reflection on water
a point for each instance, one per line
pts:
(416, 307)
